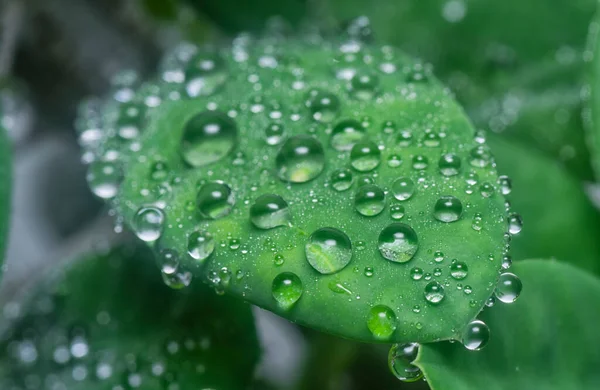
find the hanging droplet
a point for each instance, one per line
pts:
(365, 156)
(300, 159)
(177, 280)
(215, 200)
(148, 223)
(363, 86)
(104, 178)
(347, 133)
(458, 270)
(400, 361)
(449, 164)
(328, 250)
(287, 289)
(168, 260)
(403, 188)
(274, 134)
(341, 179)
(398, 242)
(205, 75)
(447, 209)
(270, 211)
(515, 224)
(434, 293)
(369, 200)
(207, 138)
(505, 185)
(201, 245)
(508, 288)
(381, 322)
(324, 106)
(476, 335)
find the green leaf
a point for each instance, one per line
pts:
(523, 80)
(321, 199)
(545, 340)
(109, 320)
(5, 190)
(593, 105)
(555, 209)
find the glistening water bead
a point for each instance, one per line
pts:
(300, 159)
(434, 293)
(270, 211)
(104, 178)
(347, 133)
(148, 223)
(365, 156)
(447, 209)
(341, 179)
(200, 245)
(381, 322)
(403, 188)
(215, 200)
(287, 289)
(205, 74)
(369, 200)
(476, 335)
(398, 242)
(207, 138)
(324, 106)
(400, 361)
(508, 288)
(328, 250)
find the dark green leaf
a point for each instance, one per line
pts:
(5, 190)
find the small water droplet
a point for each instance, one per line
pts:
(447, 209)
(515, 224)
(369, 200)
(403, 188)
(480, 156)
(328, 250)
(363, 86)
(505, 185)
(416, 273)
(400, 361)
(431, 140)
(287, 289)
(369, 272)
(434, 293)
(205, 75)
(404, 138)
(300, 159)
(420, 162)
(458, 270)
(449, 164)
(365, 156)
(347, 133)
(148, 223)
(397, 212)
(215, 200)
(168, 261)
(508, 288)
(104, 178)
(274, 134)
(487, 190)
(398, 242)
(177, 280)
(270, 211)
(201, 245)
(207, 138)
(381, 322)
(341, 179)
(324, 106)
(476, 335)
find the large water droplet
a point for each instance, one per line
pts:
(508, 288)
(476, 335)
(400, 361)
(201, 245)
(148, 223)
(449, 164)
(215, 200)
(341, 179)
(300, 159)
(447, 209)
(347, 133)
(328, 250)
(287, 289)
(207, 138)
(369, 200)
(324, 106)
(434, 292)
(205, 75)
(398, 242)
(104, 178)
(381, 322)
(270, 211)
(403, 188)
(365, 156)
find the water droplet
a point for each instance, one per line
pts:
(324, 106)
(397, 212)
(447, 209)
(480, 156)
(148, 223)
(168, 261)
(381, 322)
(159, 171)
(487, 190)
(438, 256)
(431, 140)
(365, 156)
(506, 262)
(363, 86)
(398, 242)
(207, 138)
(347, 133)
(270, 211)
(403, 188)
(369, 200)
(104, 178)
(287, 289)
(394, 161)
(341, 179)
(515, 224)
(205, 75)
(177, 280)
(434, 293)
(458, 270)
(420, 162)
(508, 288)
(339, 287)
(274, 134)
(476, 335)
(400, 361)
(328, 250)
(449, 164)
(215, 200)
(201, 245)
(505, 185)
(369, 272)
(300, 159)
(404, 138)
(416, 273)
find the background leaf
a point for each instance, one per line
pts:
(542, 341)
(5, 190)
(109, 320)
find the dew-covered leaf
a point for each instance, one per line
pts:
(5, 189)
(109, 322)
(559, 220)
(593, 107)
(333, 183)
(545, 340)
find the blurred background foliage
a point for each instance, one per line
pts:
(517, 67)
